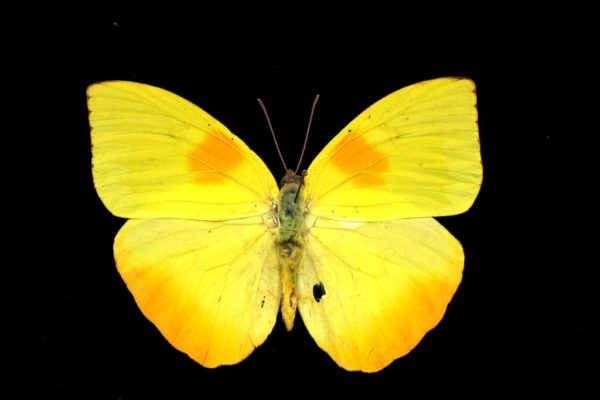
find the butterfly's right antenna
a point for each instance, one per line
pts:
(312, 112)
(273, 133)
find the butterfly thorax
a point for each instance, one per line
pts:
(289, 240)
(290, 208)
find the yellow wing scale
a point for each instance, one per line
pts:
(201, 256)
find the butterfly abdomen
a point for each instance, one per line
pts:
(289, 242)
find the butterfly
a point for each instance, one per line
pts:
(214, 248)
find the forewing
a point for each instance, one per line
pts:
(415, 153)
(156, 155)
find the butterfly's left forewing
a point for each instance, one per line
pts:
(156, 155)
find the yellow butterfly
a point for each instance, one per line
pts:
(214, 249)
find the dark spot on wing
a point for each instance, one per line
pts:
(319, 291)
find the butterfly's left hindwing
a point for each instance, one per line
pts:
(211, 288)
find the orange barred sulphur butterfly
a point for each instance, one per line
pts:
(213, 249)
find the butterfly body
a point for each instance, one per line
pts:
(289, 240)
(213, 249)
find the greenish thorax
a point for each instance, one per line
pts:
(290, 208)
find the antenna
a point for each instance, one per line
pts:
(310, 118)
(312, 112)
(272, 132)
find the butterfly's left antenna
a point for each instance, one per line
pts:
(272, 132)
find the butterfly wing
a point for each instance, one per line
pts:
(156, 155)
(211, 288)
(378, 273)
(415, 153)
(368, 292)
(199, 257)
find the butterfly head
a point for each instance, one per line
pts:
(291, 177)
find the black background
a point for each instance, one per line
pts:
(520, 322)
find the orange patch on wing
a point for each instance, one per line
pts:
(157, 294)
(353, 155)
(216, 155)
